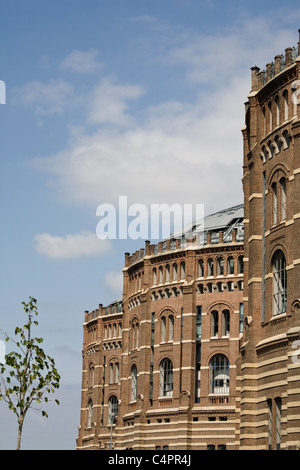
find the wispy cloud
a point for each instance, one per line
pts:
(47, 98)
(176, 151)
(82, 62)
(108, 101)
(114, 281)
(71, 246)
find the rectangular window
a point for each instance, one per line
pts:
(198, 322)
(241, 317)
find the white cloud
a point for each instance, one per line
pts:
(48, 98)
(176, 151)
(71, 246)
(82, 61)
(108, 102)
(114, 281)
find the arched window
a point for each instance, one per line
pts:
(112, 409)
(133, 395)
(230, 265)
(277, 110)
(117, 374)
(214, 323)
(220, 266)
(167, 273)
(154, 276)
(270, 116)
(166, 378)
(91, 375)
(240, 265)
(210, 267)
(171, 328)
(219, 374)
(283, 198)
(163, 329)
(174, 272)
(90, 413)
(111, 373)
(264, 121)
(200, 268)
(182, 270)
(286, 105)
(134, 334)
(274, 202)
(279, 283)
(161, 274)
(225, 323)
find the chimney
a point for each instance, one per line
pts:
(254, 78)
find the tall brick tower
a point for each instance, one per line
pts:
(269, 369)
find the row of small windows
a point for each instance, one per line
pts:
(113, 330)
(171, 273)
(219, 266)
(209, 287)
(274, 147)
(275, 112)
(218, 383)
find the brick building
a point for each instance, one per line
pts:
(162, 359)
(203, 349)
(269, 369)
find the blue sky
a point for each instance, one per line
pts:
(108, 98)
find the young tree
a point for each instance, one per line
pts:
(27, 376)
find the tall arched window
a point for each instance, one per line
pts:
(163, 329)
(220, 266)
(174, 272)
(90, 413)
(274, 203)
(286, 105)
(112, 409)
(270, 115)
(225, 323)
(240, 264)
(182, 270)
(264, 121)
(214, 323)
(219, 374)
(166, 378)
(154, 276)
(279, 283)
(161, 274)
(91, 375)
(171, 328)
(230, 265)
(167, 273)
(277, 110)
(200, 268)
(283, 198)
(210, 267)
(134, 384)
(134, 334)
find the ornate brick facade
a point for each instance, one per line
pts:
(163, 358)
(201, 353)
(269, 372)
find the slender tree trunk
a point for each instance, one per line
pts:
(20, 421)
